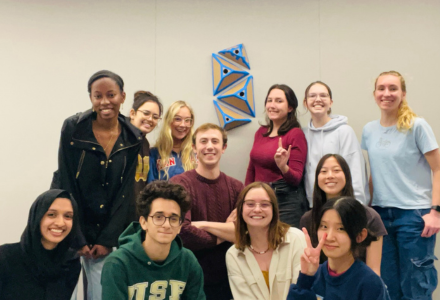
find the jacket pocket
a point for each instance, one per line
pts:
(81, 160)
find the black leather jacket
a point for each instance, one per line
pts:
(103, 187)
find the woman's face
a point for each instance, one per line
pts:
(331, 178)
(338, 243)
(277, 106)
(106, 98)
(388, 93)
(146, 117)
(181, 124)
(57, 223)
(318, 100)
(257, 208)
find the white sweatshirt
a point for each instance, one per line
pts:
(336, 137)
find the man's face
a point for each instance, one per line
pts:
(163, 223)
(209, 148)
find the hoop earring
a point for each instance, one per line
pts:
(122, 107)
(93, 110)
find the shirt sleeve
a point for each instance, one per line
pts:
(299, 242)
(352, 153)
(153, 173)
(194, 285)
(298, 155)
(302, 289)
(65, 175)
(113, 281)
(250, 174)
(375, 224)
(239, 286)
(193, 238)
(425, 138)
(364, 138)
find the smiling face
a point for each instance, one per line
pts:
(388, 93)
(181, 124)
(257, 208)
(318, 100)
(331, 178)
(277, 106)
(209, 148)
(106, 98)
(338, 243)
(146, 117)
(161, 234)
(57, 223)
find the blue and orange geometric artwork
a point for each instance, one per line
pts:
(228, 118)
(237, 54)
(241, 96)
(224, 74)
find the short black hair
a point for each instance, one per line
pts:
(166, 190)
(105, 74)
(353, 217)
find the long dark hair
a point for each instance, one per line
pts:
(319, 196)
(292, 101)
(353, 217)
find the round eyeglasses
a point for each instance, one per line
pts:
(159, 220)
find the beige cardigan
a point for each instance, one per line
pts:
(246, 279)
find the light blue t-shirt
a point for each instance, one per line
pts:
(400, 171)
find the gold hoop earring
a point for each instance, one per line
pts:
(93, 110)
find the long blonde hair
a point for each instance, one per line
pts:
(405, 115)
(165, 142)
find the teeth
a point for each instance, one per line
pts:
(256, 217)
(331, 183)
(56, 230)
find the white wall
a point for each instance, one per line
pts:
(49, 49)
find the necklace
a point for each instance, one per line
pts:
(255, 251)
(112, 132)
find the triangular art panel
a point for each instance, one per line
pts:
(237, 54)
(229, 119)
(224, 74)
(241, 96)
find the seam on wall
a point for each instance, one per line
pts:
(319, 38)
(155, 44)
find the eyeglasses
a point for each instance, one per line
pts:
(187, 121)
(159, 220)
(263, 204)
(314, 96)
(149, 114)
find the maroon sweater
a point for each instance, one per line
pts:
(262, 166)
(211, 200)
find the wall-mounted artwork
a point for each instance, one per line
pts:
(237, 54)
(228, 118)
(241, 96)
(224, 74)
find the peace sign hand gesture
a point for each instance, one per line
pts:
(282, 157)
(310, 257)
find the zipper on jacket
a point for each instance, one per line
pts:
(81, 160)
(123, 169)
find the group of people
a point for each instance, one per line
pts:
(165, 223)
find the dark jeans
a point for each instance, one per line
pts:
(292, 201)
(220, 291)
(407, 266)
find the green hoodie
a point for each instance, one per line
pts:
(129, 273)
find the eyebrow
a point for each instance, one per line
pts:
(55, 210)
(161, 212)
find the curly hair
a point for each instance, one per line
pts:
(166, 190)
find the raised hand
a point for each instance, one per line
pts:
(310, 257)
(282, 157)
